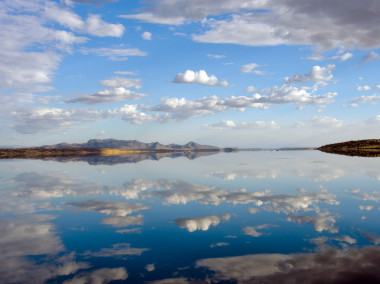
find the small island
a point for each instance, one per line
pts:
(360, 148)
(104, 148)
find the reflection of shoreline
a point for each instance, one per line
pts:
(95, 156)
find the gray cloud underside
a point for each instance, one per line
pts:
(326, 23)
(332, 265)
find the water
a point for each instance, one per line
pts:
(245, 217)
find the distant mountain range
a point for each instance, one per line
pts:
(132, 145)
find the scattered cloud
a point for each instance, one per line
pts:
(321, 222)
(150, 267)
(121, 249)
(229, 124)
(325, 122)
(198, 77)
(250, 89)
(114, 54)
(103, 275)
(221, 244)
(124, 73)
(122, 221)
(343, 57)
(151, 18)
(146, 35)
(364, 88)
(318, 74)
(372, 100)
(216, 56)
(201, 223)
(109, 208)
(366, 207)
(93, 25)
(252, 230)
(368, 58)
(108, 96)
(251, 68)
(118, 82)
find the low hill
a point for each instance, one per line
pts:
(363, 148)
(130, 145)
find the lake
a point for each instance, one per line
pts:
(241, 217)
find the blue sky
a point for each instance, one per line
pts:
(245, 73)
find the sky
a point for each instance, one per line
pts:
(239, 73)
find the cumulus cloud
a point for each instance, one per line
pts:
(198, 77)
(366, 207)
(150, 267)
(108, 96)
(201, 223)
(364, 88)
(114, 53)
(318, 74)
(229, 124)
(321, 222)
(221, 244)
(146, 35)
(251, 68)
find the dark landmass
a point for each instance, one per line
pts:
(111, 151)
(360, 148)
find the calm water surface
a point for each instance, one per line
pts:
(246, 217)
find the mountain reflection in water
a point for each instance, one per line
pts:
(247, 217)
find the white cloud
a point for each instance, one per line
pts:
(373, 99)
(343, 57)
(250, 68)
(114, 54)
(364, 88)
(124, 73)
(150, 18)
(377, 86)
(201, 223)
(318, 74)
(216, 56)
(250, 89)
(146, 35)
(93, 25)
(118, 82)
(325, 122)
(229, 124)
(39, 120)
(198, 77)
(108, 96)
